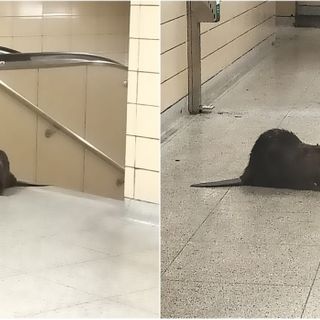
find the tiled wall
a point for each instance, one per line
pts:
(142, 176)
(91, 100)
(285, 8)
(174, 70)
(99, 27)
(243, 25)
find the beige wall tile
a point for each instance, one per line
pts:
(27, 8)
(101, 178)
(84, 25)
(222, 58)
(18, 139)
(23, 81)
(130, 151)
(65, 101)
(149, 55)
(60, 160)
(173, 33)
(85, 43)
(27, 44)
(131, 119)
(106, 110)
(147, 154)
(113, 24)
(27, 26)
(172, 9)
(6, 26)
(173, 62)
(285, 8)
(147, 186)
(112, 43)
(129, 183)
(148, 121)
(236, 18)
(84, 8)
(119, 57)
(113, 8)
(6, 8)
(57, 8)
(174, 89)
(149, 89)
(96, 27)
(220, 36)
(57, 25)
(6, 41)
(56, 43)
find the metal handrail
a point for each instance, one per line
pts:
(11, 60)
(60, 126)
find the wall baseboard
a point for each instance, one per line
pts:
(307, 21)
(285, 21)
(221, 82)
(216, 86)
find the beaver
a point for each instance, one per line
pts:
(278, 159)
(7, 179)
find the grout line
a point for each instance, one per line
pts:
(136, 38)
(173, 19)
(314, 279)
(174, 75)
(220, 71)
(234, 17)
(144, 137)
(145, 169)
(238, 37)
(144, 71)
(205, 219)
(172, 48)
(238, 283)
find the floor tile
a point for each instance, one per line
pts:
(147, 300)
(246, 263)
(26, 295)
(210, 300)
(96, 309)
(105, 278)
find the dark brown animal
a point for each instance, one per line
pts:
(7, 179)
(278, 159)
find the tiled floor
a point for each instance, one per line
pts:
(244, 251)
(68, 254)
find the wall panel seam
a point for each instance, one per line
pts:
(242, 34)
(173, 76)
(173, 19)
(238, 58)
(176, 46)
(183, 97)
(236, 16)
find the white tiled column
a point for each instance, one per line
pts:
(142, 176)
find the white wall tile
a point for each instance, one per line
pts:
(130, 151)
(147, 154)
(149, 55)
(148, 121)
(149, 89)
(147, 186)
(129, 182)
